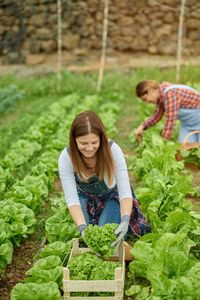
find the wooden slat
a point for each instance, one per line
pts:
(94, 298)
(93, 285)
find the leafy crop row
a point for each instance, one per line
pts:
(59, 228)
(167, 258)
(33, 188)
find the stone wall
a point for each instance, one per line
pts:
(144, 26)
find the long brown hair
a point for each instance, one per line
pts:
(85, 123)
(143, 86)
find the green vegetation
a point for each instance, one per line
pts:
(40, 92)
(99, 239)
(31, 138)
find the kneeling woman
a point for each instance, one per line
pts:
(95, 180)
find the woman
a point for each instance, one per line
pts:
(95, 180)
(176, 101)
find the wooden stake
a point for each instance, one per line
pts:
(179, 43)
(104, 43)
(59, 44)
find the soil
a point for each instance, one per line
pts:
(23, 256)
(22, 261)
(89, 61)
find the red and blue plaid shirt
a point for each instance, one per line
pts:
(95, 205)
(169, 104)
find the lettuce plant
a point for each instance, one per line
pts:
(36, 291)
(100, 239)
(45, 270)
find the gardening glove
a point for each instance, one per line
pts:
(121, 230)
(82, 228)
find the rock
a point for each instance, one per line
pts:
(43, 33)
(70, 41)
(169, 17)
(80, 52)
(167, 48)
(14, 58)
(193, 23)
(35, 59)
(152, 50)
(164, 31)
(48, 46)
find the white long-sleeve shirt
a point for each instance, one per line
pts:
(67, 176)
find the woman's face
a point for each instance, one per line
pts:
(88, 144)
(151, 95)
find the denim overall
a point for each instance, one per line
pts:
(189, 118)
(100, 205)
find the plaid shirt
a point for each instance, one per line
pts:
(95, 205)
(169, 103)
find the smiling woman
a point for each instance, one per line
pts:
(88, 145)
(95, 180)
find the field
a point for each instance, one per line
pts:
(34, 127)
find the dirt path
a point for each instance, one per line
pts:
(23, 256)
(22, 262)
(89, 61)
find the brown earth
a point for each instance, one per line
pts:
(89, 61)
(22, 262)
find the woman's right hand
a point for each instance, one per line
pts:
(139, 132)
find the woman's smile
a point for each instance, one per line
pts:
(88, 144)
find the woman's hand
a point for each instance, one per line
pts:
(121, 230)
(82, 228)
(139, 132)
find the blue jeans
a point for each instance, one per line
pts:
(190, 121)
(183, 132)
(110, 213)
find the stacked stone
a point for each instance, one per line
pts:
(148, 26)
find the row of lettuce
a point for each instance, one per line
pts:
(22, 198)
(167, 261)
(25, 197)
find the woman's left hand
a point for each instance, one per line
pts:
(121, 230)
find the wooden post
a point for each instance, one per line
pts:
(59, 44)
(66, 295)
(179, 42)
(104, 43)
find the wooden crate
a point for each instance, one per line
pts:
(116, 285)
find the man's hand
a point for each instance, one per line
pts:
(82, 228)
(139, 132)
(121, 230)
